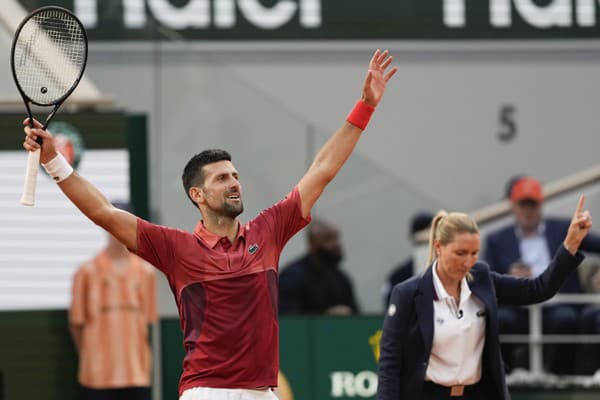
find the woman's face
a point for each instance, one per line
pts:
(455, 259)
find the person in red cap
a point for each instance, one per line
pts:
(526, 198)
(524, 249)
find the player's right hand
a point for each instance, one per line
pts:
(48, 151)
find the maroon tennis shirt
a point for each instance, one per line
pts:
(227, 294)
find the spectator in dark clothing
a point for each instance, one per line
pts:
(314, 283)
(529, 244)
(406, 269)
(589, 362)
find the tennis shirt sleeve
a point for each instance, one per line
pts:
(150, 306)
(155, 244)
(284, 218)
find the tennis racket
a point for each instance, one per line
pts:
(48, 57)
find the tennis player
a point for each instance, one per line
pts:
(224, 274)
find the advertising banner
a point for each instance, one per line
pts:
(333, 19)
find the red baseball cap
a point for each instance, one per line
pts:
(527, 188)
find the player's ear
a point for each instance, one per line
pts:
(196, 194)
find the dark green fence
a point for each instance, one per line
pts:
(327, 358)
(322, 358)
(37, 357)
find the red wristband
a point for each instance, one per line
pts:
(360, 114)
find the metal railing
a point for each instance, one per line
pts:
(536, 338)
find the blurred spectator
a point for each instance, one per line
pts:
(113, 302)
(406, 269)
(531, 243)
(314, 283)
(589, 272)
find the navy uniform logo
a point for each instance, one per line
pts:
(392, 310)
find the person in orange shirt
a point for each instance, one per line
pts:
(113, 303)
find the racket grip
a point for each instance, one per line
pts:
(31, 173)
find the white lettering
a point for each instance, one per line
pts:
(224, 13)
(500, 13)
(310, 13)
(586, 12)
(454, 13)
(267, 18)
(342, 384)
(365, 383)
(196, 14)
(87, 11)
(346, 384)
(557, 13)
(135, 13)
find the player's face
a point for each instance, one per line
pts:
(222, 191)
(455, 259)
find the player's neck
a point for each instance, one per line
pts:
(222, 226)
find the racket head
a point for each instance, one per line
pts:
(48, 55)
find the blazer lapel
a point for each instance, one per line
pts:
(424, 307)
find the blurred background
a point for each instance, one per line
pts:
(485, 91)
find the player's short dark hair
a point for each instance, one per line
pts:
(193, 172)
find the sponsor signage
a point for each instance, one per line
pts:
(333, 19)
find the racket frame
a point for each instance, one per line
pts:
(33, 159)
(58, 102)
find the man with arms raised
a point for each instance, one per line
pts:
(224, 275)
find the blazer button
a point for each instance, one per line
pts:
(425, 364)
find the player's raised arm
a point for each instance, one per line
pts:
(338, 148)
(82, 193)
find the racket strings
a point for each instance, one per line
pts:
(50, 54)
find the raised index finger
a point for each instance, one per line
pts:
(579, 208)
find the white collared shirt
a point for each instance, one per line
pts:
(534, 250)
(458, 336)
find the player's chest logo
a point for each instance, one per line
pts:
(253, 248)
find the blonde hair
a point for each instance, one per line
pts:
(445, 226)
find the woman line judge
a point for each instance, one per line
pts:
(440, 334)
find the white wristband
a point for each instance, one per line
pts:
(58, 168)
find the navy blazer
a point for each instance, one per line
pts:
(408, 333)
(502, 248)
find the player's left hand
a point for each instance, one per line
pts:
(377, 77)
